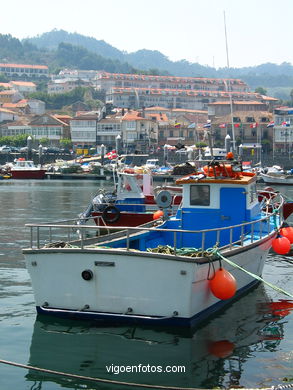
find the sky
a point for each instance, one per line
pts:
(258, 31)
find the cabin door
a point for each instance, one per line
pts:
(232, 207)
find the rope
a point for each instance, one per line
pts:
(132, 384)
(89, 378)
(216, 252)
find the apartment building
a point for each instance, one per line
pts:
(24, 70)
(107, 81)
(283, 130)
(171, 98)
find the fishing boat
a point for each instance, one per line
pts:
(132, 201)
(176, 271)
(26, 169)
(277, 178)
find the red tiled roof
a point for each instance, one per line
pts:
(133, 116)
(24, 66)
(106, 75)
(23, 83)
(158, 116)
(243, 102)
(7, 111)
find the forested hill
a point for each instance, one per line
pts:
(59, 48)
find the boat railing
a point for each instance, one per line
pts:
(250, 232)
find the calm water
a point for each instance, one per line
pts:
(250, 344)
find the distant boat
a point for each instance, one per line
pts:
(277, 178)
(26, 169)
(131, 202)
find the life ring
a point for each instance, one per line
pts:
(111, 214)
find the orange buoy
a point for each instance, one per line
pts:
(287, 232)
(281, 245)
(221, 348)
(223, 285)
(229, 156)
(158, 214)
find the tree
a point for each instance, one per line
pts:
(3, 78)
(261, 91)
(44, 141)
(66, 143)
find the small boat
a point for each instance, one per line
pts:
(26, 169)
(277, 178)
(131, 203)
(176, 271)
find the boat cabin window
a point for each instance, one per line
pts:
(200, 195)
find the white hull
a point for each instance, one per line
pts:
(132, 284)
(277, 179)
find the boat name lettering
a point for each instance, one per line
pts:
(105, 263)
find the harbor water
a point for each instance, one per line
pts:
(249, 344)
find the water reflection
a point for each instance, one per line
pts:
(212, 355)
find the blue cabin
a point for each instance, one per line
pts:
(210, 206)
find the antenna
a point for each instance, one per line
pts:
(229, 87)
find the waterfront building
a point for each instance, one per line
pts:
(83, 129)
(19, 126)
(250, 120)
(50, 127)
(139, 132)
(283, 131)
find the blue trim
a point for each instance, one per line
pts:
(104, 318)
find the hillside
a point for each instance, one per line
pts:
(59, 48)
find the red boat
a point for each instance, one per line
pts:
(25, 169)
(133, 202)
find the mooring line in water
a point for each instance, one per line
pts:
(114, 382)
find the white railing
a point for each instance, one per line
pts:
(255, 231)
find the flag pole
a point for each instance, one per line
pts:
(229, 87)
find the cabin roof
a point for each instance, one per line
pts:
(244, 178)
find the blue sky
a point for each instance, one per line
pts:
(258, 31)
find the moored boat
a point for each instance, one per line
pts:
(175, 272)
(132, 201)
(26, 169)
(277, 178)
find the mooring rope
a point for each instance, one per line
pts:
(210, 252)
(132, 384)
(217, 253)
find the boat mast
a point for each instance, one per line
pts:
(229, 88)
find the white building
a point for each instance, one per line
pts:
(7, 115)
(23, 86)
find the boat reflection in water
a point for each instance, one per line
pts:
(212, 355)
